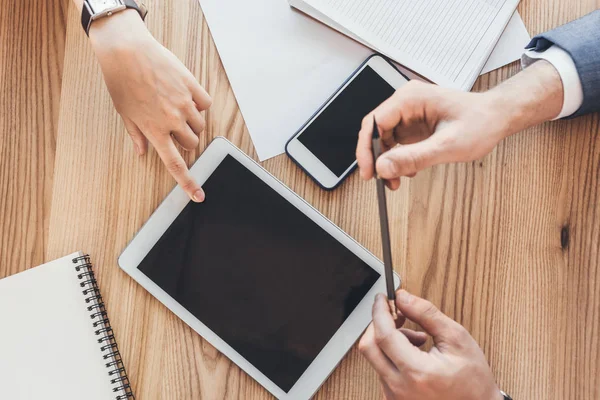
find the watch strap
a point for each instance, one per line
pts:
(87, 13)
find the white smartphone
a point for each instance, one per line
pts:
(325, 147)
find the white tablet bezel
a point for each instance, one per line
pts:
(305, 158)
(172, 206)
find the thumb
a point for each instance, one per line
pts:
(443, 329)
(139, 140)
(407, 160)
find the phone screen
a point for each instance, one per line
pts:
(333, 135)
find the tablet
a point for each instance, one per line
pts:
(259, 273)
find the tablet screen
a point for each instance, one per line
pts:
(259, 273)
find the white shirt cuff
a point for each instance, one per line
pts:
(562, 61)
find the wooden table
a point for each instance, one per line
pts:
(509, 245)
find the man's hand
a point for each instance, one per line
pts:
(158, 98)
(424, 125)
(454, 369)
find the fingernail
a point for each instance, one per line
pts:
(404, 297)
(198, 196)
(379, 296)
(389, 165)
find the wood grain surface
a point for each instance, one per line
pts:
(509, 245)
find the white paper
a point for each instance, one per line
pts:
(48, 349)
(282, 65)
(446, 41)
(510, 46)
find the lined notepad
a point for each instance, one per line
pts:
(446, 41)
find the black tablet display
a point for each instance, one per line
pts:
(259, 273)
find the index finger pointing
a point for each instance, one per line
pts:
(391, 341)
(179, 170)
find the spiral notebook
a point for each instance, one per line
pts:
(56, 341)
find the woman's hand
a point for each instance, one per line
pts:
(454, 369)
(156, 95)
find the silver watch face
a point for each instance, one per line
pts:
(99, 6)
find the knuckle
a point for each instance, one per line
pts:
(182, 102)
(174, 118)
(188, 185)
(430, 311)
(189, 105)
(458, 334)
(175, 166)
(364, 345)
(381, 338)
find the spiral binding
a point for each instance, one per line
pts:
(101, 323)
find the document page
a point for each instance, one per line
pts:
(48, 347)
(447, 41)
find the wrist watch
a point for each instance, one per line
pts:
(95, 9)
(506, 397)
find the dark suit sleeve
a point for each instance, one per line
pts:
(581, 39)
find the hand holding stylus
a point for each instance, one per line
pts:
(454, 369)
(423, 125)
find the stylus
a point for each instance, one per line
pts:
(383, 220)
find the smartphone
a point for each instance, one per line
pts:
(325, 146)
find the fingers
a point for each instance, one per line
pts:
(186, 138)
(407, 160)
(405, 110)
(178, 169)
(442, 328)
(392, 184)
(140, 142)
(200, 96)
(406, 105)
(417, 339)
(196, 121)
(371, 351)
(364, 152)
(394, 344)
(389, 116)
